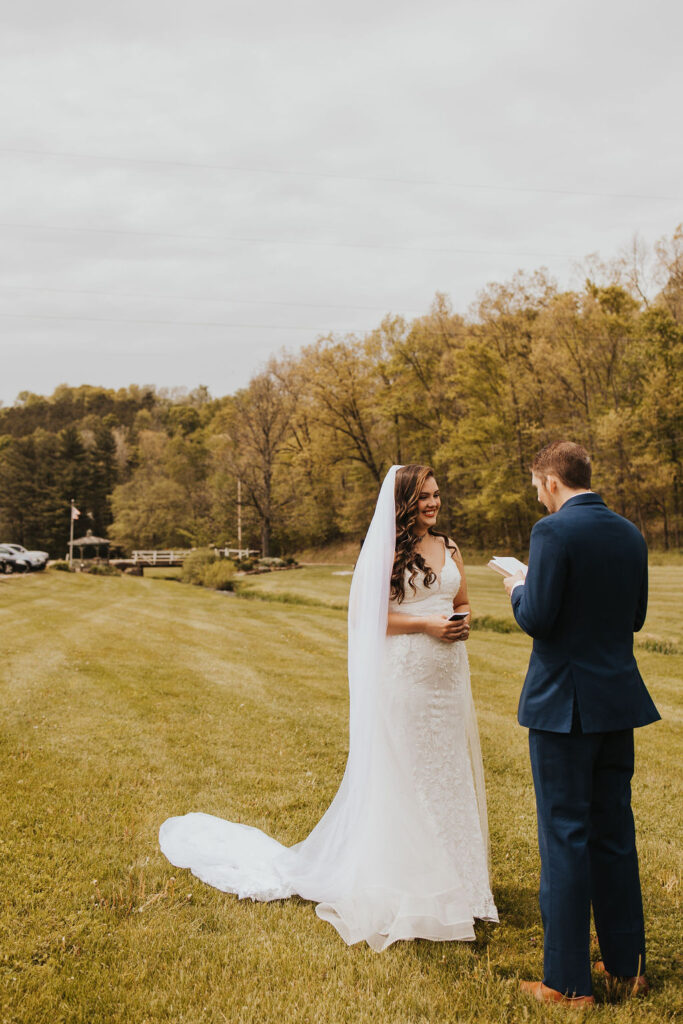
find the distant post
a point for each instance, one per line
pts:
(239, 516)
(72, 518)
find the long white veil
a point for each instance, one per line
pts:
(326, 863)
(351, 857)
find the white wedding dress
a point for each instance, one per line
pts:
(402, 851)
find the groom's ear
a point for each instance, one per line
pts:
(551, 483)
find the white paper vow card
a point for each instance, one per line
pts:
(507, 565)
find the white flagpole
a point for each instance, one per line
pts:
(71, 534)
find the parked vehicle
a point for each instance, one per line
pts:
(12, 562)
(35, 559)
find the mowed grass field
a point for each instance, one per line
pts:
(127, 700)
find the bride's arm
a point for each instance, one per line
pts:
(461, 601)
(398, 623)
(437, 626)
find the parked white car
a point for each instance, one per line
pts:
(10, 561)
(36, 559)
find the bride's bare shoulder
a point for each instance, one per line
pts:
(456, 554)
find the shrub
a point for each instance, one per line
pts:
(495, 625)
(246, 564)
(204, 569)
(60, 566)
(271, 561)
(657, 645)
(103, 570)
(196, 564)
(219, 575)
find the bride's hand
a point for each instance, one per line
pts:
(441, 628)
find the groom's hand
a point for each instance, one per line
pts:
(510, 581)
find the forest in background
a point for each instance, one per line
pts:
(313, 433)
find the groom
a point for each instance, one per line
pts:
(584, 595)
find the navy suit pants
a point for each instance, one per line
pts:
(587, 843)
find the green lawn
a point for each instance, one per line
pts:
(126, 700)
(320, 584)
(329, 584)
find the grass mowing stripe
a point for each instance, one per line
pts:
(126, 700)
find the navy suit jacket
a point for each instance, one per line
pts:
(585, 594)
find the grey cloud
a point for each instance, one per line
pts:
(566, 96)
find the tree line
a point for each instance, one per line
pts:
(313, 433)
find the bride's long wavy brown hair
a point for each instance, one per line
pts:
(409, 483)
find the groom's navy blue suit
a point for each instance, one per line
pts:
(584, 596)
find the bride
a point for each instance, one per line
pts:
(402, 851)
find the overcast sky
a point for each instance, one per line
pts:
(188, 187)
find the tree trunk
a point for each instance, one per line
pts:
(265, 537)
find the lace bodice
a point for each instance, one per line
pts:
(437, 599)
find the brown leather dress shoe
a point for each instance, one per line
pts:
(543, 994)
(638, 985)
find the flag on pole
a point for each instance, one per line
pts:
(74, 512)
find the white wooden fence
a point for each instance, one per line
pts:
(236, 552)
(178, 556)
(167, 557)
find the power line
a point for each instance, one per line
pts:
(235, 240)
(206, 298)
(377, 179)
(179, 323)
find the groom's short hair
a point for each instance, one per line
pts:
(570, 462)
